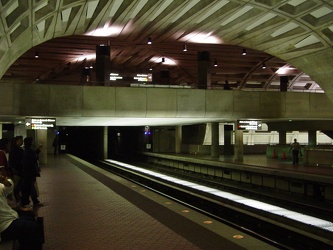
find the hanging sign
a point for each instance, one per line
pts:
(248, 125)
(40, 123)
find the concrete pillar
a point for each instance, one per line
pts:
(239, 148)
(214, 151)
(282, 137)
(312, 138)
(20, 130)
(228, 148)
(41, 139)
(103, 65)
(0, 131)
(204, 76)
(105, 142)
(284, 83)
(178, 139)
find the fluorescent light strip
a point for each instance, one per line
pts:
(305, 219)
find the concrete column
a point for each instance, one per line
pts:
(214, 151)
(282, 137)
(284, 83)
(204, 76)
(106, 142)
(312, 138)
(228, 148)
(41, 139)
(0, 131)
(20, 130)
(178, 139)
(239, 148)
(103, 65)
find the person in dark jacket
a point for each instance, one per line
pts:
(29, 173)
(15, 163)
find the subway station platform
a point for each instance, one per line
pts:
(259, 161)
(88, 208)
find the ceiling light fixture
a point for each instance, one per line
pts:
(263, 66)
(149, 40)
(244, 52)
(150, 68)
(184, 47)
(163, 59)
(215, 63)
(36, 54)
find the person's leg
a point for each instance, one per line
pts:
(26, 191)
(17, 187)
(28, 233)
(294, 157)
(34, 193)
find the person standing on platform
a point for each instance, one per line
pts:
(27, 231)
(15, 163)
(295, 148)
(55, 145)
(29, 174)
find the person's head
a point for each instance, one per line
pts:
(28, 142)
(19, 140)
(295, 140)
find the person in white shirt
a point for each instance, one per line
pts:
(12, 227)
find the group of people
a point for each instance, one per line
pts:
(19, 167)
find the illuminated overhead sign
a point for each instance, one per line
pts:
(143, 77)
(115, 76)
(130, 77)
(40, 123)
(248, 125)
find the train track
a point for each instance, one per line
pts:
(281, 231)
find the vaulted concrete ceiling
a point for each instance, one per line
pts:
(295, 35)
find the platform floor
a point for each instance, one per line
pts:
(89, 208)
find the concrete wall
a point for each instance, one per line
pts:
(95, 101)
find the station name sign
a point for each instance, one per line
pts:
(40, 123)
(248, 125)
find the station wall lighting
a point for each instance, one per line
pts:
(263, 66)
(184, 47)
(244, 52)
(36, 54)
(215, 63)
(149, 41)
